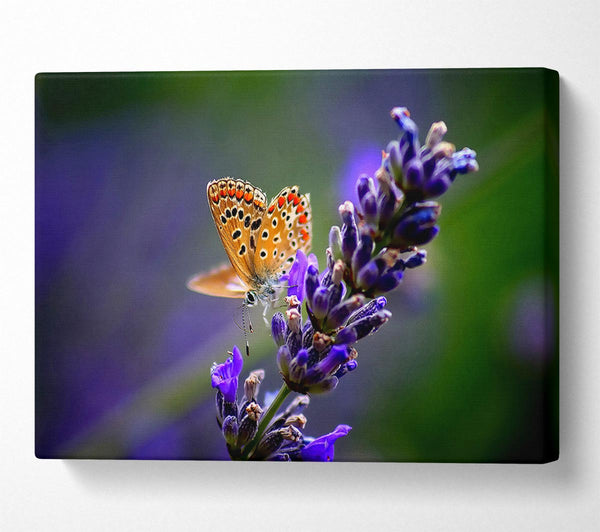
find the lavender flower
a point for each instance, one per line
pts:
(322, 449)
(282, 437)
(225, 376)
(297, 273)
(367, 256)
(313, 356)
(425, 171)
(393, 215)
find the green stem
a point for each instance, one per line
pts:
(265, 420)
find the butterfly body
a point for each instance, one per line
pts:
(260, 239)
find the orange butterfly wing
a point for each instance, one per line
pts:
(220, 282)
(237, 209)
(287, 227)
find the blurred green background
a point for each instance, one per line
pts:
(467, 368)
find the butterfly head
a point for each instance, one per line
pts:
(264, 291)
(251, 298)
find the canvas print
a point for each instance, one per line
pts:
(297, 265)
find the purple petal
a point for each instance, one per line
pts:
(322, 449)
(225, 376)
(297, 274)
(238, 361)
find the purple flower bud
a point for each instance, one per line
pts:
(413, 173)
(364, 185)
(248, 425)
(367, 275)
(419, 258)
(427, 234)
(320, 303)
(370, 324)
(368, 204)
(307, 334)
(294, 342)
(395, 160)
(325, 278)
(429, 161)
(398, 266)
(336, 292)
(339, 314)
(225, 376)
(298, 366)
(402, 117)
(336, 357)
(375, 305)
(346, 211)
(302, 357)
(363, 252)
(296, 275)
(294, 336)
(307, 376)
(230, 430)
(388, 281)
(417, 226)
(322, 449)
(269, 444)
(278, 328)
(311, 282)
(349, 231)
(349, 366)
(347, 336)
(437, 185)
(283, 359)
(387, 202)
(464, 161)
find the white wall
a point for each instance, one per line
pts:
(119, 35)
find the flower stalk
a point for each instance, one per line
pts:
(266, 418)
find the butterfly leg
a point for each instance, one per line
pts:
(266, 307)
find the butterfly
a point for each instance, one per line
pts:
(260, 240)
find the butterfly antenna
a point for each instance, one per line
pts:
(240, 327)
(249, 321)
(244, 311)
